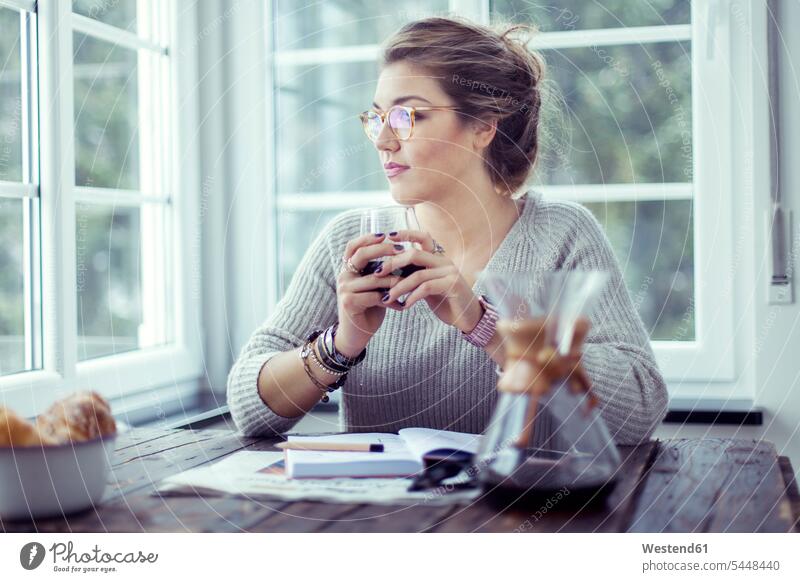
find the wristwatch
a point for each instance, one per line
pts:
(483, 333)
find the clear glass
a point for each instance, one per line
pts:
(106, 115)
(618, 114)
(544, 435)
(10, 97)
(567, 15)
(321, 145)
(335, 23)
(109, 279)
(654, 244)
(386, 219)
(119, 13)
(12, 299)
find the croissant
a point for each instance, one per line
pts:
(18, 432)
(79, 417)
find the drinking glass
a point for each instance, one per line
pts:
(388, 219)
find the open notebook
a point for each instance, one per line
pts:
(402, 455)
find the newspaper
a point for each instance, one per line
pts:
(260, 474)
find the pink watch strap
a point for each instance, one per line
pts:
(484, 331)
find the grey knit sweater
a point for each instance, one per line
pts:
(420, 371)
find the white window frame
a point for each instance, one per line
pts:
(707, 366)
(170, 367)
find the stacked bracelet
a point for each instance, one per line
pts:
(328, 347)
(329, 359)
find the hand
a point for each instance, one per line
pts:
(439, 283)
(359, 297)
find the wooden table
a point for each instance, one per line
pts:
(667, 486)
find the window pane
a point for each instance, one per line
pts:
(109, 279)
(296, 231)
(322, 146)
(10, 97)
(345, 22)
(654, 244)
(12, 302)
(625, 117)
(106, 115)
(583, 14)
(120, 13)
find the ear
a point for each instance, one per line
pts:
(483, 133)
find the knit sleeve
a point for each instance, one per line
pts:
(309, 303)
(617, 354)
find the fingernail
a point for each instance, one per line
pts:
(385, 297)
(379, 269)
(378, 234)
(402, 303)
(393, 233)
(399, 247)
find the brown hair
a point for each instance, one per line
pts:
(489, 74)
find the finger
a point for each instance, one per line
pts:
(371, 283)
(359, 302)
(424, 239)
(408, 284)
(355, 244)
(367, 253)
(433, 287)
(412, 257)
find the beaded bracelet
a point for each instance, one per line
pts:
(304, 354)
(323, 367)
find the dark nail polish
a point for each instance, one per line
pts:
(385, 297)
(379, 269)
(393, 233)
(399, 247)
(402, 303)
(378, 234)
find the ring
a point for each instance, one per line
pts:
(350, 266)
(437, 248)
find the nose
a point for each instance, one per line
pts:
(387, 140)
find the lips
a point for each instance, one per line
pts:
(392, 169)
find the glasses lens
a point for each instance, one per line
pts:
(400, 122)
(372, 124)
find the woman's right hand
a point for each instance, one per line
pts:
(360, 301)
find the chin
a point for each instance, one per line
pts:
(407, 196)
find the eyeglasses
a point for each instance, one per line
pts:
(401, 120)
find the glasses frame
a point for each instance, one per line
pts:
(412, 111)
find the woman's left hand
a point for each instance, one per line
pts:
(439, 283)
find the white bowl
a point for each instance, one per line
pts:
(54, 480)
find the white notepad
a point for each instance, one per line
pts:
(402, 455)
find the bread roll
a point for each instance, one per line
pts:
(79, 417)
(18, 432)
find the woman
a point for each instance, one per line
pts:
(475, 97)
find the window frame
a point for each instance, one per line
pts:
(705, 368)
(167, 367)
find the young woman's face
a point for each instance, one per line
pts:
(440, 153)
